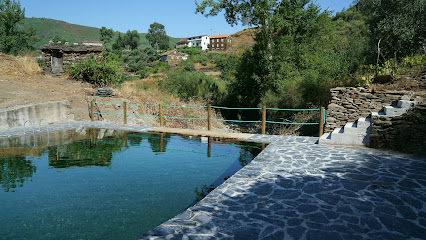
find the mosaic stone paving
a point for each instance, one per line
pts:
(296, 189)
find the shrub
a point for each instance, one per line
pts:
(102, 71)
(145, 72)
(192, 51)
(188, 65)
(192, 85)
(160, 67)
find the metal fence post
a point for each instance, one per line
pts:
(321, 128)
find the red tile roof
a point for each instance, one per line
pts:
(167, 53)
(183, 40)
(220, 36)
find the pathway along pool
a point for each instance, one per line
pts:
(108, 184)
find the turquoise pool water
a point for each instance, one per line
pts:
(108, 185)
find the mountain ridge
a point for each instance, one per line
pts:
(47, 28)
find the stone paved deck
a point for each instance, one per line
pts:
(296, 189)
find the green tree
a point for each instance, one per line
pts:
(119, 43)
(131, 39)
(399, 26)
(11, 39)
(58, 39)
(298, 54)
(106, 34)
(157, 36)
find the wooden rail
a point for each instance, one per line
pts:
(209, 115)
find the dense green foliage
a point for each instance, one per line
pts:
(102, 71)
(130, 40)
(106, 35)
(157, 36)
(138, 59)
(299, 52)
(399, 25)
(12, 39)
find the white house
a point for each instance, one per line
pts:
(93, 43)
(202, 42)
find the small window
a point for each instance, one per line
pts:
(222, 39)
(172, 57)
(222, 45)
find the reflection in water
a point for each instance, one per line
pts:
(128, 191)
(158, 142)
(15, 171)
(94, 147)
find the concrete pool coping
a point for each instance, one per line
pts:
(296, 189)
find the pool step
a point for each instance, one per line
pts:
(351, 134)
(359, 133)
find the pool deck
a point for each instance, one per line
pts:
(203, 133)
(296, 189)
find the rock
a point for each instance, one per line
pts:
(330, 106)
(341, 89)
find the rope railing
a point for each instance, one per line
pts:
(184, 106)
(230, 108)
(209, 118)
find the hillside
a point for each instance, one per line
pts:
(47, 29)
(242, 40)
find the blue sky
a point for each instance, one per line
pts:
(178, 16)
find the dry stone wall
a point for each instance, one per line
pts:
(350, 103)
(68, 59)
(405, 133)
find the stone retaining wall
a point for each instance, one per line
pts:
(350, 103)
(405, 133)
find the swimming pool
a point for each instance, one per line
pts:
(106, 184)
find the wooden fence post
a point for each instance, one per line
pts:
(321, 128)
(160, 107)
(264, 120)
(125, 112)
(92, 110)
(209, 117)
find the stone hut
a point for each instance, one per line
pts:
(173, 57)
(57, 56)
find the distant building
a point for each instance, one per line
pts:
(182, 43)
(93, 43)
(55, 56)
(220, 42)
(173, 57)
(201, 41)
